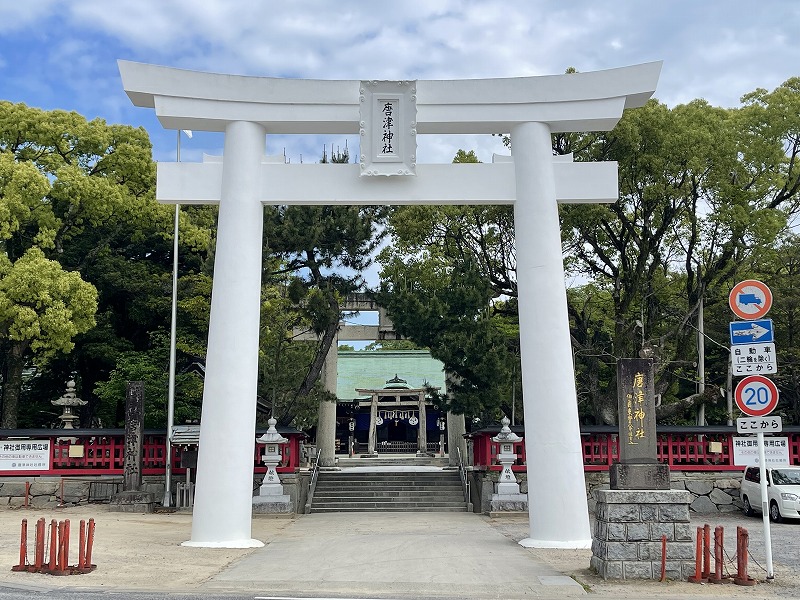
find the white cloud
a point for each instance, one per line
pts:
(63, 54)
(16, 15)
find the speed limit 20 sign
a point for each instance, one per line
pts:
(756, 396)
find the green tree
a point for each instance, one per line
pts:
(82, 193)
(327, 248)
(701, 189)
(389, 345)
(283, 360)
(449, 284)
(42, 308)
(445, 305)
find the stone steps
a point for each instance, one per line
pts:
(406, 491)
(390, 460)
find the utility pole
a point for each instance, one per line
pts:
(701, 365)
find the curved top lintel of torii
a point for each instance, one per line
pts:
(591, 101)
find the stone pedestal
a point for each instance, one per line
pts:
(642, 476)
(508, 503)
(627, 534)
(272, 505)
(132, 501)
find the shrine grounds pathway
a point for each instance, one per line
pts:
(361, 555)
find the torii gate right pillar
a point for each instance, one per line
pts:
(556, 486)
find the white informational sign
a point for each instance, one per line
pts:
(756, 424)
(745, 451)
(25, 455)
(754, 359)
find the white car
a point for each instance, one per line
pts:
(783, 492)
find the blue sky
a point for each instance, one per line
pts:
(57, 54)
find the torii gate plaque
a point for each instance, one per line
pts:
(247, 108)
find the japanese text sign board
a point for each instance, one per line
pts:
(745, 451)
(750, 299)
(388, 128)
(754, 359)
(756, 396)
(756, 424)
(637, 411)
(25, 455)
(751, 332)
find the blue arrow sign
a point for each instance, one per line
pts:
(747, 332)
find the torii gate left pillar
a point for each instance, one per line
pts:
(246, 108)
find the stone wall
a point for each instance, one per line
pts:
(46, 492)
(711, 492)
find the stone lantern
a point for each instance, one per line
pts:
(69, 401)
(271, 498)
(507, 496)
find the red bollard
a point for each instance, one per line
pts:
(81, 544)
(742, 543)
(698, 559)
(88, 566)
(717, 576)
(27, 493)
(706, 551)
(38, 560)
(53, 545)
(23, 548)
(59, 535)
(66, 544)
(60, 556)
(663, 558)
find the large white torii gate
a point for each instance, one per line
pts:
(248, 108)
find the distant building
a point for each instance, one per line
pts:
(387, 397)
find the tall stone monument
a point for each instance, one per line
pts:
(132, 498)
(640, 507)
(638, 467)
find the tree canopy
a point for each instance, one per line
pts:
(708, 197)
(704, 192)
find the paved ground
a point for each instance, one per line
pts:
(383, 555)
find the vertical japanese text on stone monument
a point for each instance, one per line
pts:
(636, 393)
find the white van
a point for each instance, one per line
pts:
(783, 492)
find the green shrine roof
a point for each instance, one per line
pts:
(372, 370)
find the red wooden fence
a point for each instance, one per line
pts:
(682, 448)
(101, 452)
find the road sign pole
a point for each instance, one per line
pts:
(762, 461)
